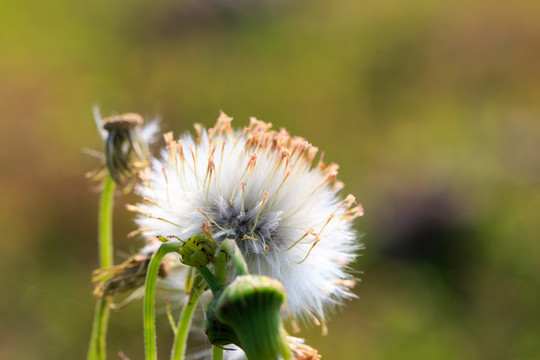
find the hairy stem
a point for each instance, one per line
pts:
(97, 348)
(180, 340)
(149, 319)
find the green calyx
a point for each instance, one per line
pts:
(251, 307)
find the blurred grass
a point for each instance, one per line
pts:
(430, 108)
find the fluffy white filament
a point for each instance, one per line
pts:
(263, 189)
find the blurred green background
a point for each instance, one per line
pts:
(431, 108)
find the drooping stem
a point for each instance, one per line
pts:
(149, 299)
(97, 348)
(180, 340)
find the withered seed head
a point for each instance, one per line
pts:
(128, 276)
(125, 149)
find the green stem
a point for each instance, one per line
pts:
(210, 279)
(229, 246)
(220, 269)
(217, 353)
(105, 223)
(221, 264)
(180, 340)
(149, 299)
(97, 347)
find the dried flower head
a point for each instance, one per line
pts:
(126, 144)
(263, 189)
(128, 276)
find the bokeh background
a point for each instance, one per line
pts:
(431, 108)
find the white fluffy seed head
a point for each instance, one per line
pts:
(263, 189)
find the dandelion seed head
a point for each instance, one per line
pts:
(263, 189)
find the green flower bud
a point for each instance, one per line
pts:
(216, 331)
(198, 250)
(251, 306)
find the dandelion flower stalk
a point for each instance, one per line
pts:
(217, 353)
(186, 250)
(126, 152)
(105, 223)
(184, 323)
(229, 247)
(97, 348)
(210, 279)
(149, 298)
(220, 268)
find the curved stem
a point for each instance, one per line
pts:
(150, 348)
(97, 348)
(210, 279)
(180, 340)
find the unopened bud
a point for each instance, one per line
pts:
(198, 250)
(216, 331)
(251, 306)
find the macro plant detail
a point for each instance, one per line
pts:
(254, 216)
(126, 151)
